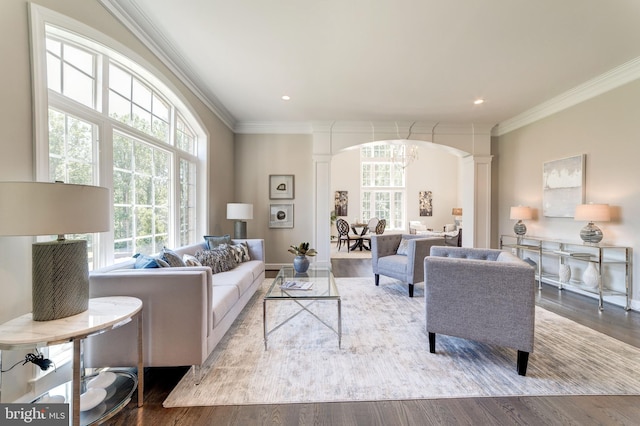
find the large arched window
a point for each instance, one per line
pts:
(107, 118)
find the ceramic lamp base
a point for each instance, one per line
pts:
(240, 230)
(520, 228)
(60, 279)
(591, 234)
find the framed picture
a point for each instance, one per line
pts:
(281, 216)
(562, 186)
(425, 201)
(281, 187)
(341, 203)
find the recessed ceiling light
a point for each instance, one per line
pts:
(286, 98)
(478, 101)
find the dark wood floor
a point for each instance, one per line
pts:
(557, 410)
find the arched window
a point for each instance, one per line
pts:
(107, 118)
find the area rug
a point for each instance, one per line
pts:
(385, 356)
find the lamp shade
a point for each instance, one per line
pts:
(239, 211)
(520, 213)
(456, 211)
(41, 208)
(593, 212)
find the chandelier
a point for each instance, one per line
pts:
(403, 154)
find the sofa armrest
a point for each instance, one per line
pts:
(418, 249)
(177, 306)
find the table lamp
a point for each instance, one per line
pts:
(520, 213)
(60, 271)
(592, 213)
(240, 213)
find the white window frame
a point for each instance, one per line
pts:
(40, 18)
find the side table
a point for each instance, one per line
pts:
(104, 314)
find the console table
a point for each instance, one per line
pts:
(104, 314)
(613, 264)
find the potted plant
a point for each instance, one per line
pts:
(300, 262)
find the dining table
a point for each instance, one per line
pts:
(359, 229)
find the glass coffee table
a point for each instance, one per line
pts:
(322, 286)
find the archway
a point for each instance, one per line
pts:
(470, 145)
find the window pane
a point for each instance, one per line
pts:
(120, 81)
(56, 133)
(122, 189)
(77, 86)
(187, 201)
(160, 108)
(119, 108)
(141, 95)
(80, 59)
(54, 73)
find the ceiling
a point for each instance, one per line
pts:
(384, 60)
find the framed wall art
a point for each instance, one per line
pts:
(281, 216)
(281, 187)
(563, 186)
(341, 203)
(425, 201)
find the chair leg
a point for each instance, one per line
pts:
(410, 290)
(523, 360)
(432, 343)
(377, 279)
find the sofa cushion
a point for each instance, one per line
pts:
(214, 241)
(253, 267)
(224, 297)
(242, 279)
(219, 259)
(394, 263)
(171, 257)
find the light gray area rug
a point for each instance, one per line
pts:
(385, 356)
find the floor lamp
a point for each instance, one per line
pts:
(240, 213)
(60, 270)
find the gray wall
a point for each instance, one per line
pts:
(604, 128)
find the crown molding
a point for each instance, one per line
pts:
(131, 16)
(273, 127)
(603, 83)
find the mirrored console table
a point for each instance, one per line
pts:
(597, 269)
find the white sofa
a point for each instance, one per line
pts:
(186, 310)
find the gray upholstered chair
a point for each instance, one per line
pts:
(480, 294)
(404, 261)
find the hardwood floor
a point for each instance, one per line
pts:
(548, 410)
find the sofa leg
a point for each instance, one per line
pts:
(377, 279)
(432, 343)
(523, 360)
(197, 374)
(410, 290)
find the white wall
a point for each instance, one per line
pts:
(604, 128)
(436, 170)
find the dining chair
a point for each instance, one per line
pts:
(344, 235)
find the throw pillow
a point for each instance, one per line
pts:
(171, 257)
(240, 252)
(146, 262)
(190, 260)
(403, 248)
(214, 241)
(219, 259)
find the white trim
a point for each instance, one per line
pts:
(289, 128)
(603, 83)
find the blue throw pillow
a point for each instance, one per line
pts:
(214, 241)
(145, 262)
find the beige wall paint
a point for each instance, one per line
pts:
(257, 157)
(604, 128)
(436, 170)
(16, 142)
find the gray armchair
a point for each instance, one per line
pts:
(480, 294)
(406, 265)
